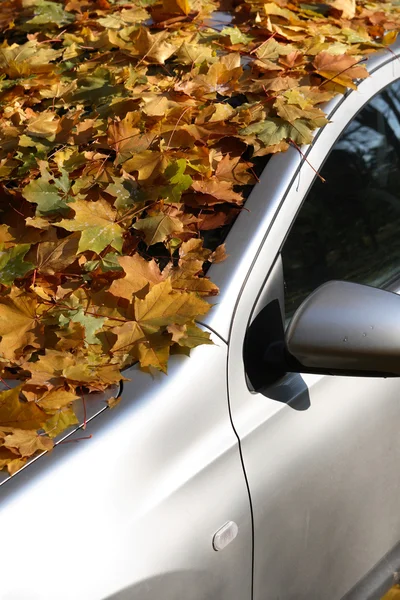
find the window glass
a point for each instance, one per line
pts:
(349, 226)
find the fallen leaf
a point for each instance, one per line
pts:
(19, 325)
(97, 222)
(27, 442)
(163, 306)
(157, 229)
(341, 69)
(139, 274)
(17, 414)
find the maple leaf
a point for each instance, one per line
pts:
(163, 306)
(154, 352)
(234, 170)
(60, 421)
(126, 138)
(178, 181)
(190, 335)
(49, 13)
(48, 369)
(290, 113)
(148, 164)
(12, 264)
(19, 325)
(26, 442)
(187, 275)
(154, 48)
(56, 399)
(91, 324)
(340, 69)
(348, 7)
(45, 125)
(157, 229)
(49, 197)
(21, 415)
(139, 275)
(54, 257)
(176, 6)
(97, 222)
(221, 190)
(272, 131)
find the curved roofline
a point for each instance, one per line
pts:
(247, 233)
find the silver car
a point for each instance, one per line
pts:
(266, 466)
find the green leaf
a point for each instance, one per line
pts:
(47, 195)
(49, 13)
(12, 263)
(179, 182)
(123, 191)
(91, 323)
(272, 131)
(96, 85)
(237, 37)
(96, 221)
(108, 263)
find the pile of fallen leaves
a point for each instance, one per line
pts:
(127, 130)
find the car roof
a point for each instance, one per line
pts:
(248, 231)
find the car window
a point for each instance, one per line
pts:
(349, 227)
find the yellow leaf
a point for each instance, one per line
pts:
(56, 399)
(18, 323)
(128, 335)
(148, 164)
(27, 442)
(48, 368)
(154, 352)
(163, 306)
(139, 274)
(348, 7)
(44, 125)
(23, 415)
(113, 402)
(97, 223)
(60, 421)
(390, 37)
(154, 48)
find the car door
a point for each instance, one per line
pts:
(321, 453)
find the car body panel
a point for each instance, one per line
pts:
(320, 452)
(131, 513)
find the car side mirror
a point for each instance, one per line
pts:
(342, 328)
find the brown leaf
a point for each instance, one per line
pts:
(219, 254)
(55, 257)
